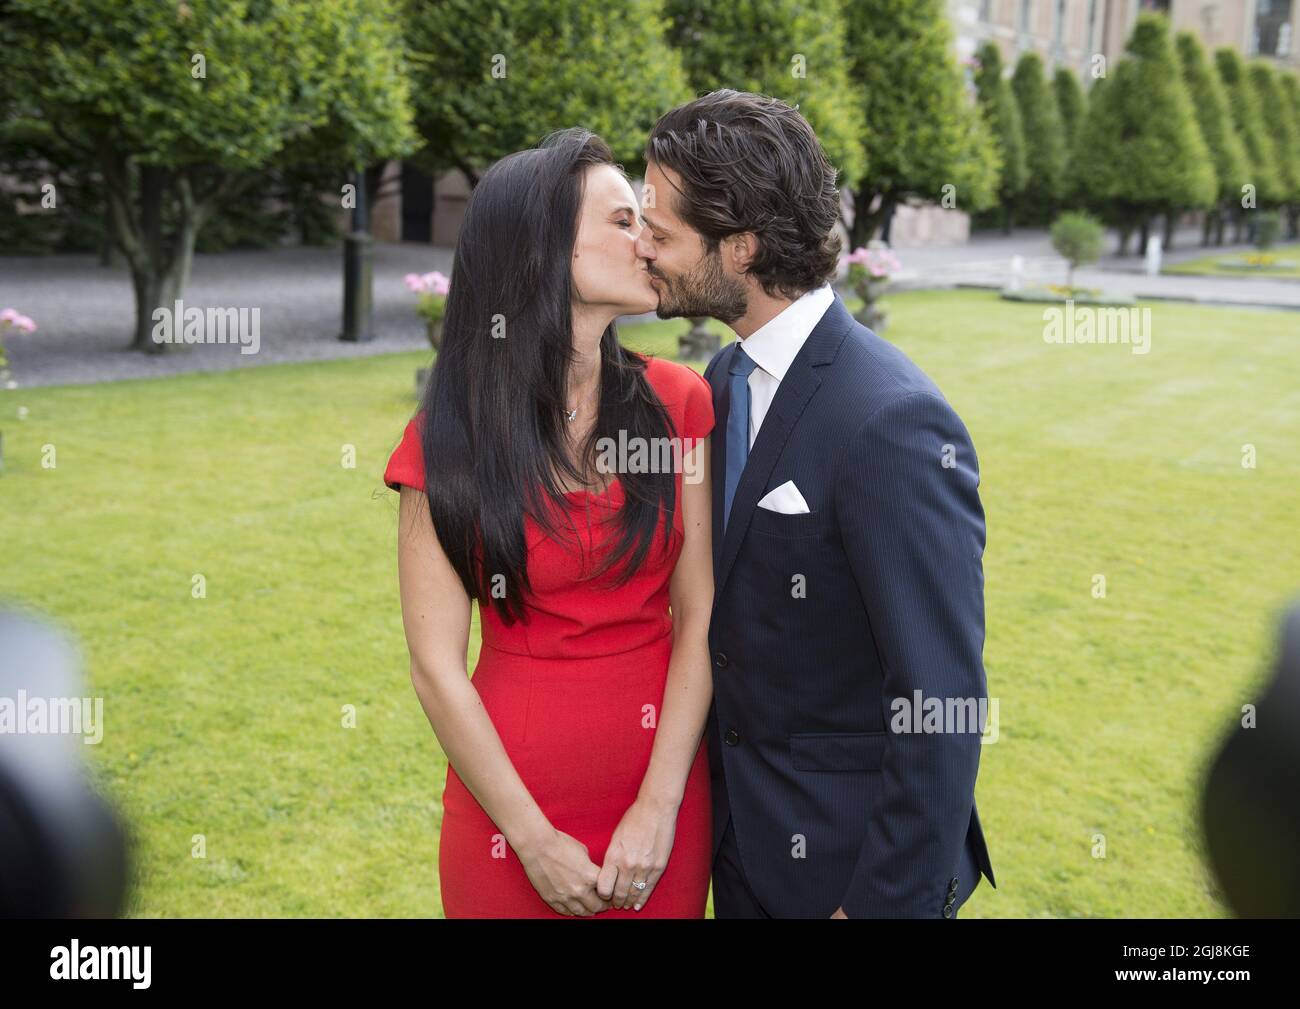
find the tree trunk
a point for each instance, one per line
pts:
(153, 292)
(467, 170)
(161, 276)
(1007, 215)
(887, 208)
(1144, 233)
(106, 246)
(865, 221)
(160, 263)
(160, 289)
(1207, 226)
(1171, 219)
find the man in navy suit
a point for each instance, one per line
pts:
(848, 535)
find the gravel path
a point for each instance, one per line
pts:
(86, 312)
(985, 261)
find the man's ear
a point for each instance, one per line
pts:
(740, 251)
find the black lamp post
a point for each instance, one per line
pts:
(358, 269)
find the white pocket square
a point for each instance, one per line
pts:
(785, 499)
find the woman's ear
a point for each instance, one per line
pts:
(741, 249)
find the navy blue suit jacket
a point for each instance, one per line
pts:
(822, 620)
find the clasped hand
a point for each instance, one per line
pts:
(564, 875)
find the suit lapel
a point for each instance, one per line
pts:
(792, 395)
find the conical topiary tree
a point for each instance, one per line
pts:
(1140, 150)
(1276, 110)
(1003, 115)
(922, 132)
(1243, 103)
(1044, 139)
(1072, 102)
(1226, 149)
(1290, 88)
(1090, 175)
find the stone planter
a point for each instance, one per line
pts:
(434, 331)
(698, 343)
(871, 314)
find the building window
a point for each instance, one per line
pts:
(1159, 6)
(1024, 16)
(1273, 28)
(1059, 32)
(986, 10)
(1210, 21)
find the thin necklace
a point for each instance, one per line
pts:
(571, 415)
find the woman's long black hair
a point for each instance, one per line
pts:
(493, 430)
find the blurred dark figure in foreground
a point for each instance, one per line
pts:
(1251, 805)
(62, 849)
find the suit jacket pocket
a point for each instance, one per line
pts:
(771, 523)
(837, 751)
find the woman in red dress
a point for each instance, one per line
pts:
(567, 492)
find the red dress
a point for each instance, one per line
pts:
(575, 693)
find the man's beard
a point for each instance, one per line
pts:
(706, 291)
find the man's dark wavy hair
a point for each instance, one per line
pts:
(748, 162)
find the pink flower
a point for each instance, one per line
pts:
(877, 262)
(17, 320)
(428, 283)
(883, 263)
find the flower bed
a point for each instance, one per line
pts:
(1059, 294)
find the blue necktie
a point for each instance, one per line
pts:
(737, 426)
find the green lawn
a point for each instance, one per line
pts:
(224, 715)
(1208, 266)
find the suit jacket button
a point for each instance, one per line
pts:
(720, 659)
(947, 910)
(732, 737)
(952, 885)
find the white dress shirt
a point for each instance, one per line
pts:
(774, 345)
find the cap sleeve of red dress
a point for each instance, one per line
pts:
(698, 420)
(406, 464)
(685, 393)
